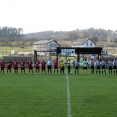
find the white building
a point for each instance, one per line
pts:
(83, 43)
(45, 45)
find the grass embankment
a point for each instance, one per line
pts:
(6, 51)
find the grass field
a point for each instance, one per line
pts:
(58, 95)
(6, 50)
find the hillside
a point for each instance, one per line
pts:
(95, 34)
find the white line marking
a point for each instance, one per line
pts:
(68, 97)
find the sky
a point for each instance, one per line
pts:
(58, 15)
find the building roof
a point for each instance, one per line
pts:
(80, 41)
(44, 42)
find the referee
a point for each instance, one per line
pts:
(62, 67)
(68, 66)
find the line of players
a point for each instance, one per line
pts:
(99, 65)
(23, 63)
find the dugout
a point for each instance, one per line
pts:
(71, 51)
(80, 51)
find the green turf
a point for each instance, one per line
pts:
(45, 95)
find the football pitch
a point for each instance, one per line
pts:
(58, 95)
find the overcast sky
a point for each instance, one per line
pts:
(58, 15)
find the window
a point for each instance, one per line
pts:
(51, 45)
(91, 44)
(55, 45)
(87, 44)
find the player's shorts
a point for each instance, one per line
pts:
(8, 67)
(2, 68)
(85, 68)
(55, 66)
(15, 68)
(37, 67)
(49, 66)
(43, 68)
(62, 68)
(30, 67)
(76, 67)
(103, 67)
(98, 67)
(22, 68)
(110, 68)
(92, 67)
(114, 67)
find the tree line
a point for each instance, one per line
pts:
(94, 34)
(8, 34)
(11, 33)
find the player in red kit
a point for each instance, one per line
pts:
(43, 66)
(22, 64)
(56, 65)
(15, 64)
(37, 62)
(30, 66)
(9, 65)
(2, 66)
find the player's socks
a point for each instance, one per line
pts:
(104, 71)
(78, 72)
(91, 71)
(86, 71)
(99, 71)
(96, 71)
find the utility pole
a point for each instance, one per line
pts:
(108, 41)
